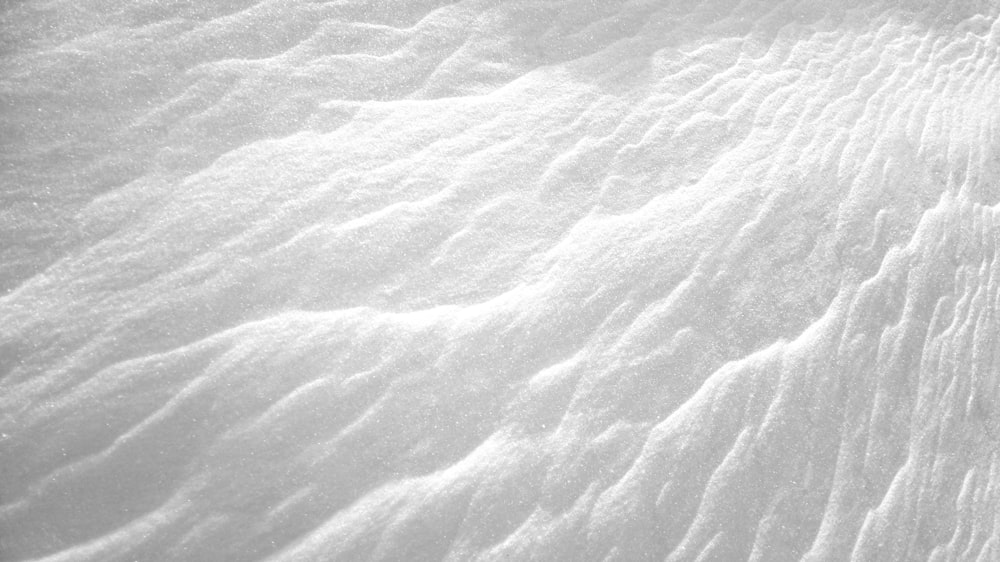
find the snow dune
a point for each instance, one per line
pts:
(499, 280)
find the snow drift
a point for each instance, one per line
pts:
(499, 280)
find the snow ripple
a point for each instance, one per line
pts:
(630, 280)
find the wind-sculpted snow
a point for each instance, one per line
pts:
(500, 280)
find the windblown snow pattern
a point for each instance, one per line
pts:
(499, 280)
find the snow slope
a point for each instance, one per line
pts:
(499, 280)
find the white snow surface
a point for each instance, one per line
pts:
(499, 280)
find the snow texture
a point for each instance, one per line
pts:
(499, 280)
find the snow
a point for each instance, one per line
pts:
(395, 280)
